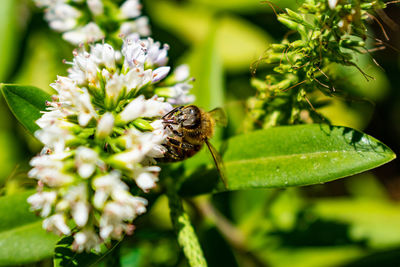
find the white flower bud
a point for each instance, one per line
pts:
(95, 6)
(80, 213)
(146, 181)
(86, 34)
(105, 125)
(130, 9)
(42, 201)
(85, 161)
(133, 110)
(181, 73)
(86, 240)
(62, 17)
(56, 223)
(139, 26)
(159, 74)
(104, 54)
(332, 3)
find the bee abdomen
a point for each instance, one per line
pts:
(177, 153)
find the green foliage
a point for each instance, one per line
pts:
(9, 36)
(26, 103)
(292, 156)
(301, 66)
(22, 238)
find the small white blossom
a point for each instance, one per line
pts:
(96, 6)
(77, 200)
(53, 137)
(139, 26)
(106, 186)
(89, 33)
(160, 73)
(134, 52)
(105, 125)
(86, 160)
(43, 201)
(145, 177)
(181, 73)
(156, 55)
(332, 3)
(86, 240)
(133, 110)
(62, 17)
(130, 9)
(56, 224)
(114, 88)
(104, 54)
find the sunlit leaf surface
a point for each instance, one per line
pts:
(26, 102)
(22, 239)
(292, 156)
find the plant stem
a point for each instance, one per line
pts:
(186, 236)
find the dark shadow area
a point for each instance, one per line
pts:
(387, 258)
(317, 232)
(203, 180)
(216, 249)
(69, 258)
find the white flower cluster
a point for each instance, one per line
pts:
(76, 19)
(102, 133)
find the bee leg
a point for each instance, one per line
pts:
(187, 146)
(170, 121)
(172, 153)
(172, 111)
(174, 142)
(182, 144)
(175, 132)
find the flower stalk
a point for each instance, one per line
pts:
(186, 235)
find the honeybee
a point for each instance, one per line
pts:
(189, 127)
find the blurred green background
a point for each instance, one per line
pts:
(349, 222)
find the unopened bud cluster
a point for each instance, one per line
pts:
(102, 134)
(83, 21)
(323, 32)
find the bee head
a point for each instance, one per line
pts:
(190, 117)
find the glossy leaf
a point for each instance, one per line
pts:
(22, 238)
(25, 102)
(292, 156)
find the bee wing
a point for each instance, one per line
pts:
(218, 162)
(218, 114)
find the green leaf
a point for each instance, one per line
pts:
(364, 216)
(22, 239)
(65, 256)
(9, 36)
(25, 102)
(292, 156)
